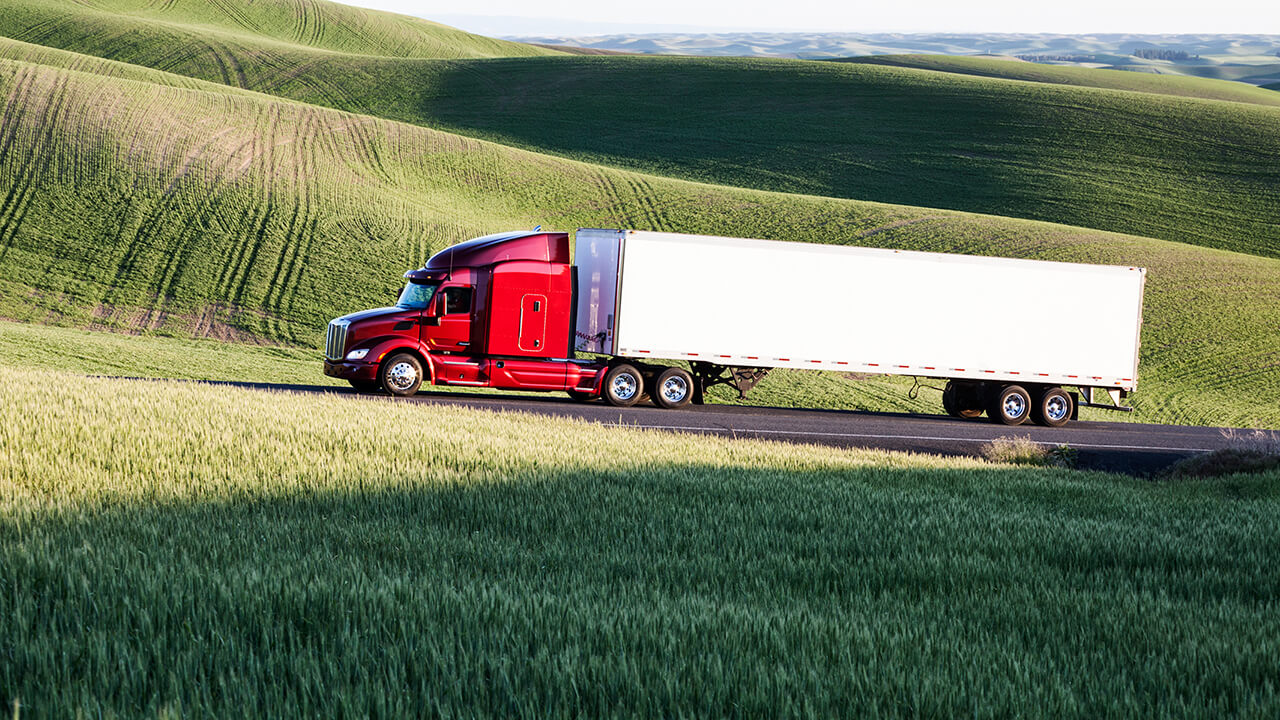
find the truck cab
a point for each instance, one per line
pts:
(496, 311)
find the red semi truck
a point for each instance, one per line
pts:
(511, 311)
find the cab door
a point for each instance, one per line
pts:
(533, 323)
(452, 330)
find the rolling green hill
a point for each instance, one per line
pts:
(225, 33)
(1178, 168)
(214, 212)
(1177, 85)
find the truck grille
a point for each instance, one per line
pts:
(335, 340)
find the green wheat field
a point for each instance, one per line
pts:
(191, 189)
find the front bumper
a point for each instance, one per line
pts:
(351, 369)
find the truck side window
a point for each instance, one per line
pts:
(457, 300)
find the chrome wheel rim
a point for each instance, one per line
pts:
(1056, 408)
(1014, 405)
(624, 386)
(402, 375)
(674, 389)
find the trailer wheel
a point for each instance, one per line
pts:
(401, 374)
(960, 400)
(623, 385)
(1052, 407)
(580, 396)
(365, 386)
(674, 388)
(1010, 405)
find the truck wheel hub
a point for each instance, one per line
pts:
(674, 389)
(402, 375)
(1056, 408)
(1014, 406)
(624, 386)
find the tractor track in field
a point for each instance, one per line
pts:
(13, 211)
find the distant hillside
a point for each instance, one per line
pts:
(1176, 85)
(1216, 49)
(223, 32)
(1167, 167)
(138, 205)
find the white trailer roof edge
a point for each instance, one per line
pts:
(829, 248)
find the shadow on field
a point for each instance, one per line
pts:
(679, 589)
(1128, 448)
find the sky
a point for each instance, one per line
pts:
(579, 17)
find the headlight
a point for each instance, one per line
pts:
(357, 354)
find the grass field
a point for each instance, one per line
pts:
(84, 352)
(137, 206)
(179, 549)
(1077, 146)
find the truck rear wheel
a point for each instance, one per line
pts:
(623, 385)
(401, 374)
(961, 400)
(1010, 405)
(674, 388)
(1052, 407)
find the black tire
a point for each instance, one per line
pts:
(366, 386)
(1010, 405)
(401, 374)
(581, 396)
(673, 389)
(1053, 407)
(623, 386)
(960, 400)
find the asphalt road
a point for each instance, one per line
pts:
(1134, 448)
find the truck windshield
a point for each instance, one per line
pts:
(416, 295)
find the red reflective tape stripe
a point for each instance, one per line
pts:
(815, 361)
(989, 371)
(753, 357)
(1073, 376)
(929, 367)
(958, 370)
(1043, 374)
(841, 362)
(784, 359)
(724, 356)
(873, 364)
(904, 366)
(1012, 372)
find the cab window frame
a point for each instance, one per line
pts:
(452, 295)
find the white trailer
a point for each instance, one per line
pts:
(1007, 334)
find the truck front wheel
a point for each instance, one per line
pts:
(623, 385)
(1010, 405)
(401, 374)
(673, 389)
